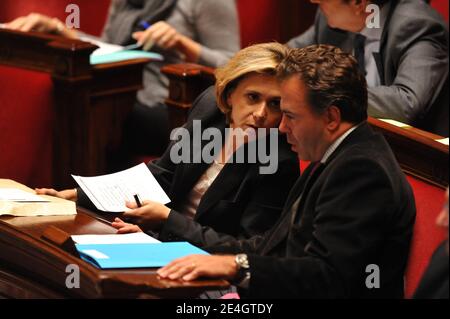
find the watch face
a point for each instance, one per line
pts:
(242, 261)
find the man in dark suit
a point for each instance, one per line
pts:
(405, 57)
(346, 227)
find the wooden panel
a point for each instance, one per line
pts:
(417, 151)
(91, 102)
(32, 267)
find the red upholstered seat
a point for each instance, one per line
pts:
(441, 6)
(26, 97)
(26, 117)
(260, 27)
(427, 235)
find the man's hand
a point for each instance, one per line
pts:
(150, 216)
(196, 266)
(69, 194)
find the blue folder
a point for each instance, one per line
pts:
(123, 56)
(148, 255)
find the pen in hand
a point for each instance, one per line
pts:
(149, 43)
(138, 200)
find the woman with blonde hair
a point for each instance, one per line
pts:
(228, 197)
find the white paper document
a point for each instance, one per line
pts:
(103, 47)
(133, 238)
(109, 192)
(19, 200)
(18, 195)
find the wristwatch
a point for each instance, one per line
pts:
(243, 268)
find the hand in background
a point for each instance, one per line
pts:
(40, 23)
(69, 194)
(125, 228)
(167, 37)
(151, 215)
(161, 34)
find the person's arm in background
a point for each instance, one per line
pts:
(217, 34)
(218, 31)
(41, 23)
(420, 74)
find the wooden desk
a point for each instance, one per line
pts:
(33, 268)
(91, 102)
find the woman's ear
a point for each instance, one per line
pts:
(359, 6)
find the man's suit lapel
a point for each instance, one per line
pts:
(303, 186)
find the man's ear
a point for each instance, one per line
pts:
(359, 6)
(333, 119)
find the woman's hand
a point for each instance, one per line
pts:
(125, 228)
(41, 23)
(69, 194)
(196, 266)
(150, 216)
(161, 34)
(167, 37)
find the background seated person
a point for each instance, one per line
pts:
(215, 202)
(405, 59)
(351, 212)
(200, 31)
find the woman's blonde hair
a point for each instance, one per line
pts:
(259, 58)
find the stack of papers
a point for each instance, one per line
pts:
(133, 238)
(18, 200)
(109, 53)
(123, 56)
(18, 195)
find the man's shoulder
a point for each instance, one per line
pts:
(411, 16)
(366, 148)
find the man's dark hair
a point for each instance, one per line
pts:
(332, 77)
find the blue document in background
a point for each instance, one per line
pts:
(146, 255)
(123, 56)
